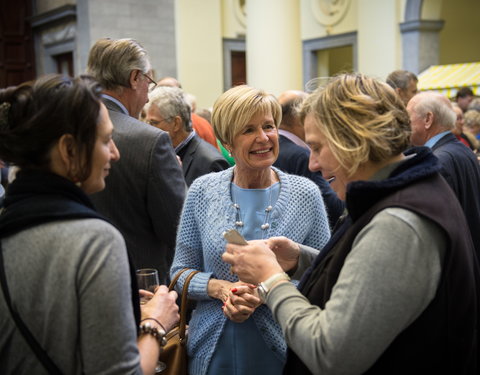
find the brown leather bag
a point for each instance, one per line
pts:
(174, 354)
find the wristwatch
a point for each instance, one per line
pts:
(264, 287)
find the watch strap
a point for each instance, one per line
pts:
(267, 285)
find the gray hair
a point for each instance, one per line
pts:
(439, 105)
(475, 104)
(111, 61)
(400, 79)
(171, 102)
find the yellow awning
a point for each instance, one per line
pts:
(447, 79)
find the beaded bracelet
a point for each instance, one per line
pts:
(159, 334)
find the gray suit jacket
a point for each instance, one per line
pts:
(200, 157)
(144, 192)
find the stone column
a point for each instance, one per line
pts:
(421, 42)
(273, 45)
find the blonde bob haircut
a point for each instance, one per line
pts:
(362, 119)
(235, 108)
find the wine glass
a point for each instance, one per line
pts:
(147, 279)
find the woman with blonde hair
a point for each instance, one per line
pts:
(472, 122)
(231, 331)
(395, 290)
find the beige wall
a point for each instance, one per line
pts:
(379, 39)
(274, 48)
(199, 49)
(460, 37)
(234, 19)
(313, 28)
(377, 23)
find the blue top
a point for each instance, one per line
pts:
(239, 341)
(298, 214)
(252, 211)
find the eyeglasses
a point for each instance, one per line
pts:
(156, 123)
(152, 84)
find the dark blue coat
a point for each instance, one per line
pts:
(461, 169)
(293, 159)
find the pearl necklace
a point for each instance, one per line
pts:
(238, 219)
(239, 222)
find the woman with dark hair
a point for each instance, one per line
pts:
(65, 275)
(395, 291)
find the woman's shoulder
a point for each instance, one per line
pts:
(212, 181)
(89, 230)
(297, 183)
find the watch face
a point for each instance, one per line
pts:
(262, 293)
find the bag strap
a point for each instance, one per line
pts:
(42, 356)
(175, 279)
(183, 304)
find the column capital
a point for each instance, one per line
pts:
(421, 25)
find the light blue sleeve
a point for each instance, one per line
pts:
(189, 249)
(320, 229)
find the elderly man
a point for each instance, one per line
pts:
(294, 152)
(404, 83)
(169, 111)
(146, 189)
(433, 119)
(202, 127)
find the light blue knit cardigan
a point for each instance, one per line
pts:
(298, 214)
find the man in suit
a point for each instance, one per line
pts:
(432, 121)
(146, 189)
(294, 153)
(168, 110)
(404, 83)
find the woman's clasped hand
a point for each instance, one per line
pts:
(241, 302)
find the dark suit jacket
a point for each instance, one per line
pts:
(144, 192)
(199, 158)
(461, 170)
(293, 159)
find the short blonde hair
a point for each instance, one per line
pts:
(361, 117)
(472, 120)
(236, 106)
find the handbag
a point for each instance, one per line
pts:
(174, 353)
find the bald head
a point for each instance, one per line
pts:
(169, 81)
(290, 96)
(291, 101)
(430, 114)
